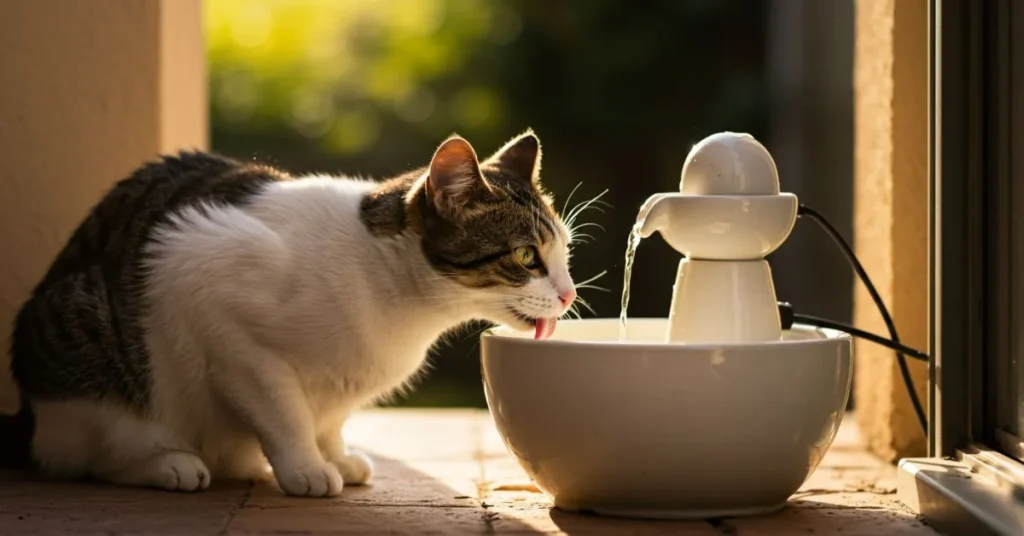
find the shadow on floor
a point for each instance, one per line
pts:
(799, 517)
(401, 500)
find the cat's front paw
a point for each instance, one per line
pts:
(355, 467)
(319, 480)
(180, 471)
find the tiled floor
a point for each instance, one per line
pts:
(440, 472)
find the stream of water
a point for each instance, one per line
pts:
(634, 241)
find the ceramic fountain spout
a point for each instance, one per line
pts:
(728, 216)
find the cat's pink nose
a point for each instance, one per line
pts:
(567, 297)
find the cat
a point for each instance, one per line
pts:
(217, 319)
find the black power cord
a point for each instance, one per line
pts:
(788, 316)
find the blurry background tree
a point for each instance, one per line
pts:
(617, 91)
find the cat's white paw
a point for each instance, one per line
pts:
(355, 468)
(320, 480)
(180, 471)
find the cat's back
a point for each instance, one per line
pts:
(115, 231)
(80, 334)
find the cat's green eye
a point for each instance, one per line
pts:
(527, 256)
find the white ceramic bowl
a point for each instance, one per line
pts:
(648, 429)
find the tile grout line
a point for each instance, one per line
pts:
(234, 511)
(487, 515)
(363, 505)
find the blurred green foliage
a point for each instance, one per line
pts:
(617, 91)
(336, 71)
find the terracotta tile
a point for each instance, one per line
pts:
(862, 500)
(869, 479)
(796, 520)
(553, 521)
(504, 470)
(851, 459)
(464, 477)
(517, 501)
(417, 434)
(515, 496)
(445, 472)
(490, 440)
(849, 436)
(395, 484)
(33, 506)
(349, 519)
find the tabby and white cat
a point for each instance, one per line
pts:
(209, 316)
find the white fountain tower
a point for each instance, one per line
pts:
(728, 216)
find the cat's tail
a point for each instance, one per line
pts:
(16, 438)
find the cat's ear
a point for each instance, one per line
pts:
(454, 174)
(521, 156)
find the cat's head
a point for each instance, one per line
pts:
(490, 227)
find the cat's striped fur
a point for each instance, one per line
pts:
(210, 315)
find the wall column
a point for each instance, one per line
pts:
(891, 213)
(90, 91)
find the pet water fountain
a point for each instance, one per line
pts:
(715, 411)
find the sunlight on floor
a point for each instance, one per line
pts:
(443, 471)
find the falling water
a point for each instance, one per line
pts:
(634, 241)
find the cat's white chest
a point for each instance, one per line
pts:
(366, 364)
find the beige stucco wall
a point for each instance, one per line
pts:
(90, 90)
(891, 212)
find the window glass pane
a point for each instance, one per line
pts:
(1005, 276)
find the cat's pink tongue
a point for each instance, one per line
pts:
(545, 327)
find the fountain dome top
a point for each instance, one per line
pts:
(729, 163)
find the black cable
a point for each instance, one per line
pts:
(833, 233)
(788, 317)
(867, 335)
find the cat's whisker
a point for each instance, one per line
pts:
(592, 206)
(576, 236)
(584, 283)
(589, 224)
(569, 197)
(574, 309)
(586, 304)
(583, 205)
(582, 238)
(573, 213)
(592, 203)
